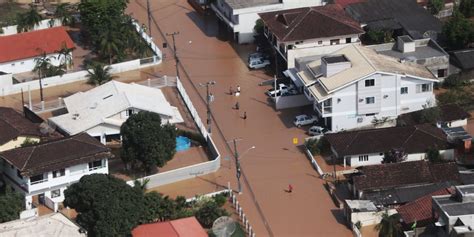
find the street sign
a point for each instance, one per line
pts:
(295, 140)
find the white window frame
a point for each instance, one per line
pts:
(419, 88)
(369, 80)
(368, 99)
(363, 158)
(402, 91)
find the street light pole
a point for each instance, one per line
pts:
(238, 171)
(175, 52)
(209, 99)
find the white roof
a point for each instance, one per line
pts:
(51, 225)
(91, 108)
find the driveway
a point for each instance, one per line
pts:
(276, 161)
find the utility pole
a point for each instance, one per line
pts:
(238, 171)
(175, 53)
(237, 166)
(209, 99)
(149, 16)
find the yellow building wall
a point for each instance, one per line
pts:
(17, 143)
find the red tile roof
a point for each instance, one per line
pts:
(420, 210)
(33, 43)
(185, 227)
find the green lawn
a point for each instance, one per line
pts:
(8, 13)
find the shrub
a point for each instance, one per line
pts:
(220, 199)
(453, 81)
(312, 146)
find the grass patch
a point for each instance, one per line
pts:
(8, 12)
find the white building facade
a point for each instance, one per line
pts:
(354, 88)
(240, 16)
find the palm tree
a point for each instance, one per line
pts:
(28, 20)
(64, 13)
(98, 74)
(110, 45)
(42, 64)
(389, 226)
(65, 56)
(52, 70)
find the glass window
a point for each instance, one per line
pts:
(59, 173)
(56, 193)
(404, 90)
(364, 158)
(334, 41)
(369, 82)
(36, 178)
(423, 88)
(95, 165)
(370, 100)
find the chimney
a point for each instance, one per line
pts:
(334, 64)
(405, 44)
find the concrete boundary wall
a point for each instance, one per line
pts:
(47, 23)
(192, 171)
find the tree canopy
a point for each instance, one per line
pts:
(98, 74)
(466, 7)
(11, 204)
(389, 226)
(394, 156)
(435, 6)
(28, 20)
(146, 142)
(106, 206)
(458, 31)
(110, 30)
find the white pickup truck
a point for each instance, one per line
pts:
(258, 62)
(305, 119)
(282, 89)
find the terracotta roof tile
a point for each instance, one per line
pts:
(420, 210)
(299, 24)
(184, 227)
(56, 154)
(13, 124)
(33, 43)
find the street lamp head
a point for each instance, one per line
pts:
(212, 82)
(253, 147)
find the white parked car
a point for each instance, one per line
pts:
(282, 89)
(257, 55)
(256, 63)
(317, 131)
(305, 119)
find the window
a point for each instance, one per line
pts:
(371, 114)
(442, 72)
(37, 179)
(370, 100)
(320, 42)
(348, 40)
(59, 173)
(404, 90)
(364, 158)
(423, 88)
(13, 64)
(369, 82)
(95, 165)
(129, 112)
(18, 173)
(56, 193)
(334, 41)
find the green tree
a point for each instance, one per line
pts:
(106, 206)
(435, 6)
(458, 31)
(28, 20)
(258, 28)
(42, 64)
(432, 154)
(146, 142)
(110, 45)
(11, 204)
(429, 114)
(65, 56)
(389, 226)
(64, 12)
(395, 155)
(208, 213)
(28, 142)
(98, 74)
(378, 36)
(466, 7)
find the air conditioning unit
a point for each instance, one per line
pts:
(360, 119)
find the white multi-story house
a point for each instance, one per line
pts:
(101, 111)
(355, 87)
(18, 51)
(299, 31)
(43, 171)
(240, 15)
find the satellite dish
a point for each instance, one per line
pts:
(224, 226)
(47, 128)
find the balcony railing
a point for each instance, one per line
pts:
(39, 181)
